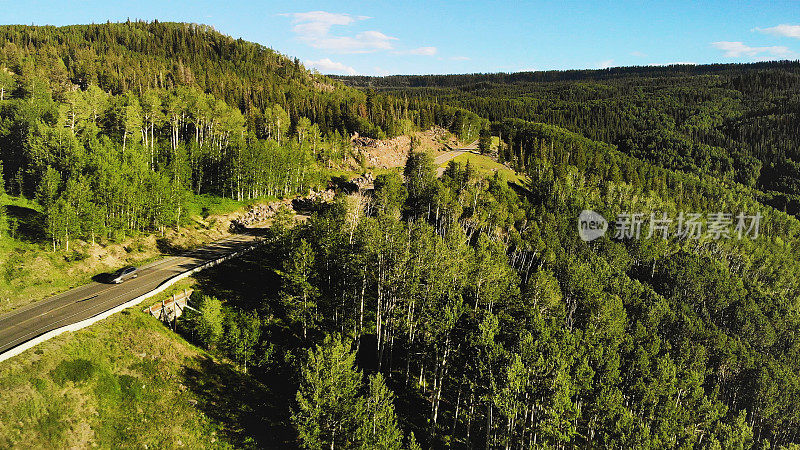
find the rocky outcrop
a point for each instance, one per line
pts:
(364, 181)
(386, 153)
(261, 212)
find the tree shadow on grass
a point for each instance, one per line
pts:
(251, 414)
(168, 248)
(30, 223)
(255, 408)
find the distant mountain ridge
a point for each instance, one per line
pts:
(459, 80)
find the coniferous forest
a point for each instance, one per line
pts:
(110, 126)
(452, 311)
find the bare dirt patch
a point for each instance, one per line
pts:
(388, 153)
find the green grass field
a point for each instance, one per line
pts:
(208, 205)
(487, 166)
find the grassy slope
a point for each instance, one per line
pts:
(127, 380)
(487, 166)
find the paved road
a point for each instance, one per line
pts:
(86, 301)
(447, 156)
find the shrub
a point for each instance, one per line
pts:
(76, 370)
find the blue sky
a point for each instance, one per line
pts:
(420, 37)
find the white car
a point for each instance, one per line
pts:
(126, 273)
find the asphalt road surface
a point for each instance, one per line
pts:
(86, 301)
(447, 156)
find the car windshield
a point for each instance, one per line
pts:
(124, 271)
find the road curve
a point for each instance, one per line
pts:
(447, 156)
(75, 305)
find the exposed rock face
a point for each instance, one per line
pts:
(378, 153)
(364, 181)
(392, 152)
(363, 141)
(261, 212)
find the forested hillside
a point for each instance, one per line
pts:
(736, 121)
(493, 324)
(442, 311)
(652, 342)
(110, 127)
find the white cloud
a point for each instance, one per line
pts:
(425, 51)
(317, 23)
(638, 54)
(364, 42)
(459, 58)
(381, 72)
(782, 30)
(605, 64)
(325, 65)
(739, 49)
(314, 28)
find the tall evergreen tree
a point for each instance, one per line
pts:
(328, 407)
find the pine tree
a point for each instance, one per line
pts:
(378, 429)
(46, 195)
(485, 141)
(3, 219)
(300, 293)
(2, 181)
(242, 334)
(209, 321)
(328, 413)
